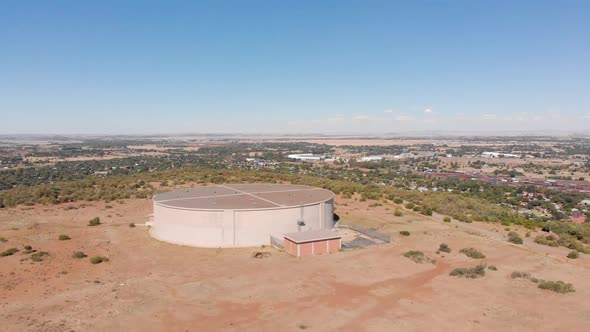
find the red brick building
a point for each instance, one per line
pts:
(316, 242)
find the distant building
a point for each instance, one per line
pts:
(489, 154)
(306, 156)
(372, 158)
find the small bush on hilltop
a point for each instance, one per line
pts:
(8, 252)
(447, 219)
(98, 259)
(79, 254)
(63, 237)
(573, 255)
(520, 275)
(419, 257)
(39, 256)
(513, 237)
(548, 240)
(557, 286)
(404, 233)
(472, 272)
(473, 253)
(94, 221)
(398, 213)
(444, 248)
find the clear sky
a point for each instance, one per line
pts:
(132, 67)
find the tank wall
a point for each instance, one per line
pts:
(236, 228)
(202, 228)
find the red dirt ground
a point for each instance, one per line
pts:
(153, 286)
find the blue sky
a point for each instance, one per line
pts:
(137, 67)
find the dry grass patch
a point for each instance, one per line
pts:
(419, 257)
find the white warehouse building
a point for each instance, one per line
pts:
(240, 215)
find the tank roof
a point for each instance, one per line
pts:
(243, 197)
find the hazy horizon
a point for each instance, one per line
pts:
(329, 67)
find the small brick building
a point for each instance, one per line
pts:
(315, 242)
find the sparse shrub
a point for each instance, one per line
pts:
(493, 268)
(473, 253)
(94, 221)
(98, 259)
(513, 237)
(63, 237)
(108, 207)
(417, 209)
(375, 205)
(557, 286)
(527, 234)
(472, 272)
(535, 280)
(573, 255)
(520, 275)
(131, 225)
(8, 252)
(398, 213)
(79, 254)
(3, 239)
(28, 249)
(419, 257)
(427, 211)
(398, 200)
(404, 233)
(409, 206)
(447, 219)
(546, 240)
(444, 248)
(39, 256)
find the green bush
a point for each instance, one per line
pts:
(398, 213)
(79, 254)
(409, 206)
(447, 219)
(557, 286)
(8, 252)
(444, 248)
(493, 268)
(398, 200)
(426, 211)
(472, 273)
(63, 237)
(98, 259)
(404, 233)
(513, 237)
(472, 252)
(573, 255)
(94, 221)
(28, 249)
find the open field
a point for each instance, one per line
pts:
(150, 285)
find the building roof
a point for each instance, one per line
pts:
(243, 197)
(312, 236)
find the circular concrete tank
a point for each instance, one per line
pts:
(240, 215)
